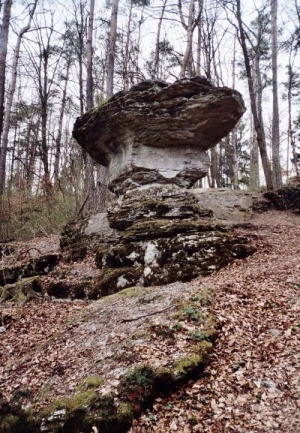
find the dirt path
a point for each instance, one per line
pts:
(253, 382)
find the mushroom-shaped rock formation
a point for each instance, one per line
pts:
(158, 133)
(154, 140)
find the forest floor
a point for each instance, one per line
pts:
(252, 383)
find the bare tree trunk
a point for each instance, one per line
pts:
(214, 169)
(254, 161)
(155, 69)
(89, 59)
(199, 37)
(89, 163)
(9, 101)
(259, 94)
(102, 172)
(291, 136)
(3, 52)
(60, 124)
(112, 49)
(260, 139)
(126, 65)
(235, 165)
(30, 161)
(189, 29)
(277, 179)
(44, 119)
(81, 28)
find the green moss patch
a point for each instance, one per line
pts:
(22, 291)
(90, 406)
(114, 280)
(13, 419)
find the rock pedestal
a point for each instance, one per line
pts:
(158, 133)
(154, 139)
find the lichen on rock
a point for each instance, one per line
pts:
(154, 139)
(158, 132)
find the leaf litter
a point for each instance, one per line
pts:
(253, 381)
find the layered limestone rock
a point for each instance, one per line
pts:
(159, 132)
(165, 236)
(154, 139)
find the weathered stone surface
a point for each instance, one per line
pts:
(285, 198)
(83, 235)
(41, 265)
(193, 251)
(154, 140)
(159, 132)
(165, 235)
(22, 291)
(157, 202)
(226, 204)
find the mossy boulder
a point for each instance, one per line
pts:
(158, 252)
(112, 280)
(136, 392)
(22, 291)
(285, 198)
(111, 401)
(41, 265)
(158, 133)
(156, 204)
(14, 419)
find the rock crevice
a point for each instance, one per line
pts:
(154, 139)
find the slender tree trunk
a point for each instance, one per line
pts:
(259, 95)
(254, 159)
(89, 59)
(189, 44)
(254, 154)
(60, 125)
(80, 26)
(277, 179)
(291, 136)
(3, 51)
(260, 139)
(214, 168)
(30, 161)
(44, 121)
(199, 38)
(290, 129)
(89, 163)
(155, 69)
(9, 101)
(112, 49)
(126, 65)
(102, 172)
(235, 165)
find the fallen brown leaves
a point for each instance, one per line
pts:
(49, 347)
(26, 363)
(253, 382)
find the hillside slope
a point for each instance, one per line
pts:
(252, 383)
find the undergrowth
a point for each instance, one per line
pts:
(24, 217)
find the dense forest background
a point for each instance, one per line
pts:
(59, 59)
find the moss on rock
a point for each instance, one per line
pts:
(113, 280)
(14, 419)
(22, 291)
